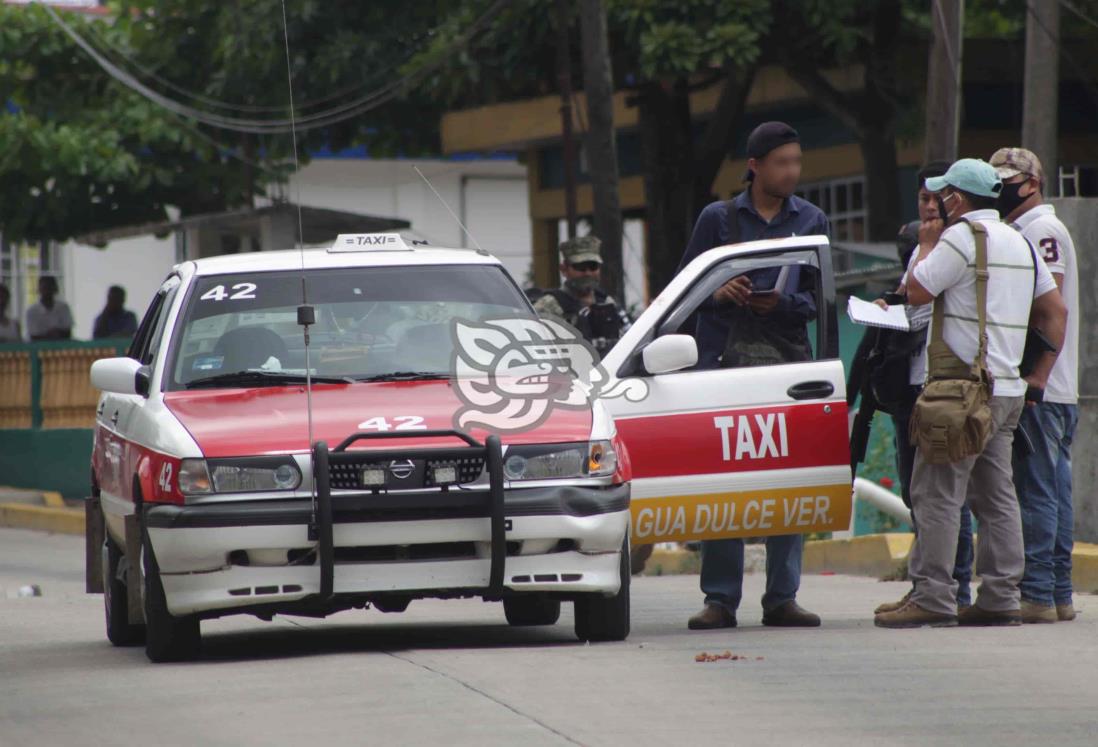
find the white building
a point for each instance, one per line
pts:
(489, 196)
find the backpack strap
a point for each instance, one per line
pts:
(732, 221)
(979, 232)
(937, 342)
(568, 302)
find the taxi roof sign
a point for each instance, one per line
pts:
(365, 242)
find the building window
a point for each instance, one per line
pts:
(1078, 181)
(843, 202)
(20, 267)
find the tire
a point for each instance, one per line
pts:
(531, 609)
(116, 603)
(167, 638)
(602, 618)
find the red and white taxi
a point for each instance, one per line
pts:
(223, 484)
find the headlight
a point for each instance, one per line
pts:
(194, 478)
(261, 474)
(557, 461)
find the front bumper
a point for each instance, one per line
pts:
(251, 554)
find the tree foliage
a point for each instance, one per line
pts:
(77, 152)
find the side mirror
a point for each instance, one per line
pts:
(120, 376)
(669, 353)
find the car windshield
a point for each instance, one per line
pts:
(372, 323)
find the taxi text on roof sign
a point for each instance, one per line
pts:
(361, 242)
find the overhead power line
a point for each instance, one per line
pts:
(145, 72)
(326, 118)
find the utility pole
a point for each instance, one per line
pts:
(564, 83)
(1040, 98)
(943, 91)
(602, 152)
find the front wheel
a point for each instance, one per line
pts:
(167, 637)
(116, 600)
(601, 618)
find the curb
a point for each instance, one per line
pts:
(43, 518)
(1084, 567)
(869, 555)
(876, 555)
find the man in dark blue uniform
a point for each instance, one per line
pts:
(743, 325)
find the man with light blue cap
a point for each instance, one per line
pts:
(1020, 293)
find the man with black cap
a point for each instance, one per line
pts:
(767, 209)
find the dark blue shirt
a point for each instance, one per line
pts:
(121, 323)
(796, 306)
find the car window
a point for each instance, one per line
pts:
(146, 342)
(369, 321)
(157, 336)
(139, 347)
(775, 324)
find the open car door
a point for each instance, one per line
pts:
(734, 452)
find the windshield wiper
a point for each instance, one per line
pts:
(404, 376)
(263, 378)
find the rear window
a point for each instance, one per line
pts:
(369, 321)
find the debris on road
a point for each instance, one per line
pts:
(705, 657)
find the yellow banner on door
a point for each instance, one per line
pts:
(755, 513)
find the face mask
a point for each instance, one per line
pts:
(941, 209)
(1009, 199)
(582, 285)
(942, 201)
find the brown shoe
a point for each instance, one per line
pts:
(712, 617)
(892, 606)
(977, 615)
(1034, 612)
(912, 615)
(1065, 612)
(791, 615)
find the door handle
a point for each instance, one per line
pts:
(811, 390)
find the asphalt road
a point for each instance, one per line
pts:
(454, 673)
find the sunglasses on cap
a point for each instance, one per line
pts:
(588, 266)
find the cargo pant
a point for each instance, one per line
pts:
(938, 492)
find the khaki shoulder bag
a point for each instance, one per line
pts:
(952, 417)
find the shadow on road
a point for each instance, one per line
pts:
(304, 639)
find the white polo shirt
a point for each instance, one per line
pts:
(950, 268)
(1050, 238)
(41, 320)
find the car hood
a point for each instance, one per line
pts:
(273, 420)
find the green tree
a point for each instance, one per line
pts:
(79, 152)
(812, 35)
(666, 50)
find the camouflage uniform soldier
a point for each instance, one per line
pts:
(581, 302)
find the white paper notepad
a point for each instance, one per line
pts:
(872, 315)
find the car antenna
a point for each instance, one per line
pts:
(306, 314)
(453, 215)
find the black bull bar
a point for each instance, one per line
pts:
(321, 528)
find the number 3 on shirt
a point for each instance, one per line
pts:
(1051, 250)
